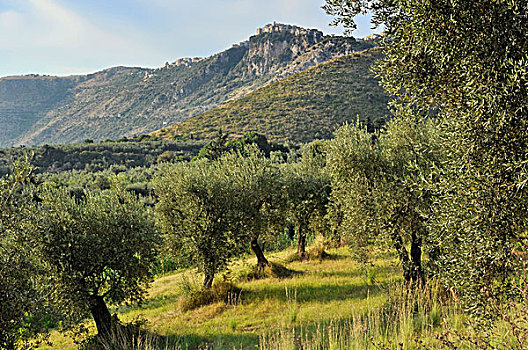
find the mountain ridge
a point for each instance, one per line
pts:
(125, 101)
(305, 106)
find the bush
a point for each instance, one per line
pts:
(194, 295)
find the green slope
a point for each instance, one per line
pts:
(305, 106)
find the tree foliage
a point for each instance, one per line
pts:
(378, 191)
(259, 202)
(307, 189)
(465, 63)
(99, 248)
(195, 211)
(18, 294)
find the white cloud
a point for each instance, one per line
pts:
(10, 18)
(40, 28)
(61, 36)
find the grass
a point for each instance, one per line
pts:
(334, 286)
(320, 291)
(325, 305)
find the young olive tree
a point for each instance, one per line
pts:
(195, 212)
(99, 248)
(465, 63)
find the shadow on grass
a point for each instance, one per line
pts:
(306, 293)
(217, 341)
(312, 333)
(152, 341)
(151, 303)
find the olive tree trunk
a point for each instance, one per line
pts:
(413, 273)
(397, 241)
(208, 280)
(101, 316)
(257, 250)
(301, 243)
(417, 276)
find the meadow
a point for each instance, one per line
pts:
(333, 303)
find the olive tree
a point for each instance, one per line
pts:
(464, 62)
(376, 187)
(19, 293)
(307, 189)
(354, 164)
(99, 248)
(258, 202)
(195, 212)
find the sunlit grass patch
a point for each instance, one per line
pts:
(321, 291)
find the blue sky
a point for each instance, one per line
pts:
(62, 37)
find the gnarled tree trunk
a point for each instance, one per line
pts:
(261, 259)
(397, 241)
(301, 243)
(208, 280)
(417, 276)
(413, 273)
(291, 231)
(101, 316)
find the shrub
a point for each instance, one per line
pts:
(194, 295)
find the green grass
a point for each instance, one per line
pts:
(333, 286)
(325, 305)
(324, 291)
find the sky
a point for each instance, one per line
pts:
(64, 37)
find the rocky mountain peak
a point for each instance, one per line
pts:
(186, 61)
(291, 29)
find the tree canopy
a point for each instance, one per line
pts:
(99, 248)
(464, 63)
(195, 213)
(19, 294)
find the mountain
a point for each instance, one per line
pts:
(300, 108)
(24, 100)
(125, 101)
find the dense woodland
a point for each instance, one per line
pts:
(442, 186)
(120, 155)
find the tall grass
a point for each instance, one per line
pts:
(427, 318)
(328, 304)
(408, 317)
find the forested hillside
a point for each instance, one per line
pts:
(303, 107)
(92, 157)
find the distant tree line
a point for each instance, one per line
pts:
(92, 157)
